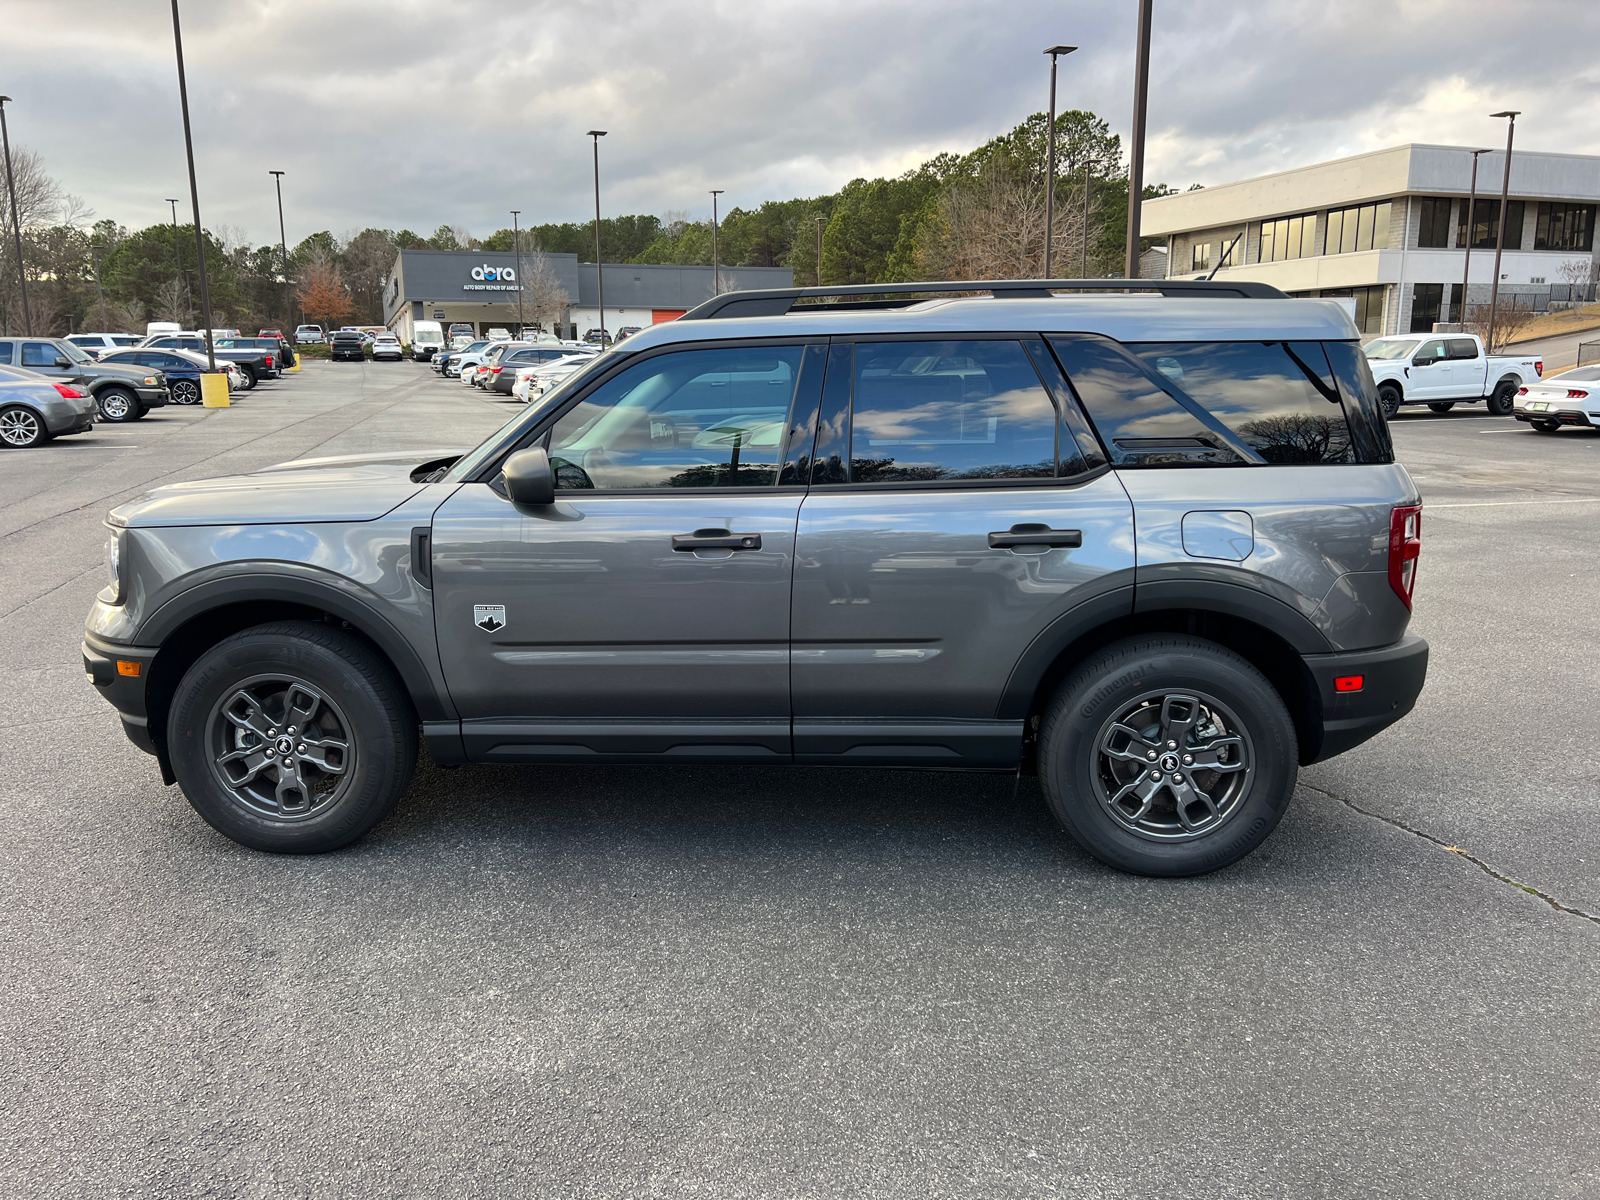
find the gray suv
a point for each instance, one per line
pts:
(1153, 547)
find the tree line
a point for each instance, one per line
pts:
(978, 215)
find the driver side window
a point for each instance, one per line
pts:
(1429, 352)
(690, 419)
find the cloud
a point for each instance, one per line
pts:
(411, 114)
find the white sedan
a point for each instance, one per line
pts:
(1571, 398)
(533, 382)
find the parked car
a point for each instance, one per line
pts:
(503, 374)
(464, 365)
(275, 334)
(255, 365)
(1443, 370)
(309, 335)
(1570, 399)
(122, 393)
(282, 353)
(96, 344)
(533, 382)
(463, 329)
(387, 346)
(427, 339)
(1155, 549)
(35, 408)
(181, 369)
(347, 346)
(155, 328)
(595, 338)
(626, 332)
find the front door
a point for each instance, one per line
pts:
(1429, 371)
(644, 617)
(954, 518)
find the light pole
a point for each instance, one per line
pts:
(716, 266)
(599, 270)
(1471, 226)
(180, 279)
(283, 244)
(1141, 95)
(16, 223)
(1500, 237)
(194, 191)
(516, 246)
(1054, 52)
(820, 222)
(1086, 163)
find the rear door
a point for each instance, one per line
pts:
(960, 513)
(645, 615)
(1468, 367)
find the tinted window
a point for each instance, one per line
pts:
(84, 340)
(1278, 397)
(1431, 348)
(949, 410)
(696, 418)
(5, 352)
(40, 354)
(1462, 348)
(1359, 391)
(1143, 418)
(171, 362)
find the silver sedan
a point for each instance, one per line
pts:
(34, 409)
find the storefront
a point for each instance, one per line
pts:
(481, 288)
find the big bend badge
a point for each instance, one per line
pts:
(491, 618)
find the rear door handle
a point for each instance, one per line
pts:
(716, 539)
(1035, 535)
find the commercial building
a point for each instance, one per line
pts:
(480, 288)
(1389, 230)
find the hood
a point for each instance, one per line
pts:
(361, 487)
(117, 370)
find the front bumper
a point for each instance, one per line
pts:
(156, 397)
(108, 666)
(1391, 680)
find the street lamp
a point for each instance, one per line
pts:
(1500, 237)
(180, 279)
(1141, 96)
(1054, 52)
(516, 246)
(599, 270)
(1087, 160)
(1471, 227)
(821, 221)
(283, 244)
(194, 192)
(16, 224)
(716, 266)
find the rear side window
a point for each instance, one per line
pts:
(969, 410)
(1279, 398)
(5, 352)
(1462, 348)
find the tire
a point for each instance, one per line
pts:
(1093, 754)
(249, 374)
(1547, 426)
(233, 707)
(21, 428)
(118, 405)
(1503, 399)
(1443, 406)
(1388, 400)
(185, 391)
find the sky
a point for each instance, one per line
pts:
(400, 114)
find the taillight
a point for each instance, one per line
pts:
(1405, 544)
(269, 362)
(495, 370)
(69, 392)
(1522, 391)
(1538, 367)
(1577, 394)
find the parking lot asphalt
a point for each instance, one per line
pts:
(805, 983)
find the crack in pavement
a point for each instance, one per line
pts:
(1459, 853)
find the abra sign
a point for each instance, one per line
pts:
(488, 274)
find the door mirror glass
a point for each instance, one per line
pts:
(1422, 360)
(528, 477)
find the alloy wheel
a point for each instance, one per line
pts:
(186, 391)
(1172, 766)
(281, 747)
(20, 427)
(114, 406)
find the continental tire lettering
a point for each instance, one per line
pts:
(1236, 847)
(1105, 691)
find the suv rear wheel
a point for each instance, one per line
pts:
(292, 738)
(1167, 756)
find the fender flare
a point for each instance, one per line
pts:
(344, 603)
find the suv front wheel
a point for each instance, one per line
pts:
(1167, 756)
(292, 738)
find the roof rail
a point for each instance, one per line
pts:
(775, 302)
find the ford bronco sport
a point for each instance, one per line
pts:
(1152, 546)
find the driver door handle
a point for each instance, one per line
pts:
(1035, 535)
(716, 539)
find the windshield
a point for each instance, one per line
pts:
(429, 336)
(72, 352)
(1389, 348)
(513, 428)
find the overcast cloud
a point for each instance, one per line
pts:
(405, 114)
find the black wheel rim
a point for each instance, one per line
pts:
(19, 427)
(1173, 766)
(281, 748)
(185, 392)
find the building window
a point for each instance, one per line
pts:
(1200, 256)
(1288, 237)
(1562, 226)
(1433, 232)
(1369, 305)
(1486, 225)
(1425, 301)
(1365, 227)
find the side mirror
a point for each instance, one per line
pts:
(1422, 361)
(63, 362)
(528, 477)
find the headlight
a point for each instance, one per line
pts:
(114, 561)
(150, 381)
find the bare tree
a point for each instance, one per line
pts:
(38, 199)
(992, 227)
(1509, 322)
(170, 301)
(1578, 273)
(544, 298)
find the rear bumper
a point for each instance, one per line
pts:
(1391, 680)
(1567, 416)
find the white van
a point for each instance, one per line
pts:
(161, 328)
(427, 339)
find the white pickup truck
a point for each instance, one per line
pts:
(1442, 370)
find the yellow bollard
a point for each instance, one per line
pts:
(214, 391)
